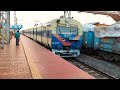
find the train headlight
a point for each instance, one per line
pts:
(58, 21)
(63, 39)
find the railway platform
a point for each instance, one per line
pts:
(13, 62)
(30, 60)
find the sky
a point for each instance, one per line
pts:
(28, 18)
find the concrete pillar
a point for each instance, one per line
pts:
(8, 27)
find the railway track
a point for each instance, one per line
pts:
(90, 70)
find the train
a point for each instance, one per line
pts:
(102, 41)
(62, 35)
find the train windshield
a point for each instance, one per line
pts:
(67, 30)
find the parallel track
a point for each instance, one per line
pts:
(90, 70)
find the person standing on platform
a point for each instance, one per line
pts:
(17, 36)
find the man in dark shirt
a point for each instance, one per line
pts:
(17, 36)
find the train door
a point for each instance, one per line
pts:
(42, 34)
(33, 33)
(36, 33)
(30, 32)
(48, 36)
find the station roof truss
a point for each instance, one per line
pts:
(114, 14)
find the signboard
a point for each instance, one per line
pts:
(17, 27)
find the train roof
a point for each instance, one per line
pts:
(62, 21)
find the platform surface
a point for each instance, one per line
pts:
(13, 63)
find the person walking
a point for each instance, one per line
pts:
(17, 36)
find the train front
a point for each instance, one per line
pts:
(67, 40)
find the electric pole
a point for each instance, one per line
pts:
(5, 27)
(8, 26)
(15, 21)
(2, 32)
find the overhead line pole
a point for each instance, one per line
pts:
(8, 27)
(2, 33)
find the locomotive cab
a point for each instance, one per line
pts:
(66, 42)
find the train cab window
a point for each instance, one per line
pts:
(66, 30)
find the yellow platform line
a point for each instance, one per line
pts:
(33, 68)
